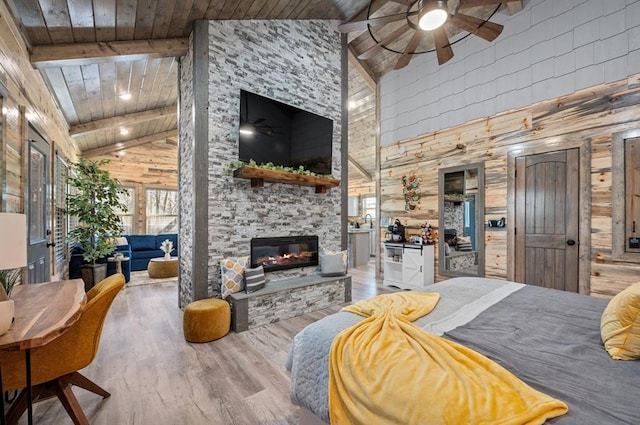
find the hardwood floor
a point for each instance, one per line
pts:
(155, 377)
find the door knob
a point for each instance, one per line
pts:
(571, 242)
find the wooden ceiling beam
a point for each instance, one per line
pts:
(360, 168)
(122, 120)
(43, 56)
(363, 69)
(106, 150)
(515, 7)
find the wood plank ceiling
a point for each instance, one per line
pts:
(92, 52)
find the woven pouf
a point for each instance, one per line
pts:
(206, 320)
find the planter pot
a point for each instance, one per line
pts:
(92, 274)
(7, 313)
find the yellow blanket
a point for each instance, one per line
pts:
(386, 370)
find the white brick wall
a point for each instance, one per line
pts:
(550, 49)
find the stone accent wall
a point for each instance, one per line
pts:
(294, 62)
(185, 177)
(283, 305)
(288, 298)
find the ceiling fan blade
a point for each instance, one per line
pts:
(473, 3)
(377, 48)
(374, 22)
(484, 29)
(411, 47)
(443, 48)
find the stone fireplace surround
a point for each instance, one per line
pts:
(296, 62)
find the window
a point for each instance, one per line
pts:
(128, 198)
(60, 216)
(369, 206)
(162, 211)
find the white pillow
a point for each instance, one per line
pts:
(333, 263)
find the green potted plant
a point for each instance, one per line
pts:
(95, 203)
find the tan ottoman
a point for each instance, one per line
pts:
(206, 320)
(160, 267)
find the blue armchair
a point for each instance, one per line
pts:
(77, 260)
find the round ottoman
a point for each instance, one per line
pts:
(206, 320)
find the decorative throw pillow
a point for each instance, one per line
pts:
(620, 325)
(232, 271)
(463, 243)
(254, 279)
(121, 240)
(333, 263)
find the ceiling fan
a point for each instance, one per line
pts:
(424, 19)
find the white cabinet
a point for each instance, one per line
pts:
(408, 266)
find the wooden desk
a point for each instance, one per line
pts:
(43, 312)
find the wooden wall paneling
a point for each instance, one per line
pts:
(162, 21)
(125, 19)
(105, 19)
(107, 72)
(82, 19)
(56, 17)
(75, 82)
(91, 79)
(147, 86)
(138, 69)
(55, 78)
(587, 119)
(144, 18)
(26, 85)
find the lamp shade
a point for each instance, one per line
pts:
(13, 241)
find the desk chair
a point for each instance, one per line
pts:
(55, 366)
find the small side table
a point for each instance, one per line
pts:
(118, 261)
(161, 268)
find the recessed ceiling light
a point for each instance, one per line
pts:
(352, 104)
(122, 153)
(124, 131)
(125, 96)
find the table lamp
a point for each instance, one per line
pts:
(13, 256)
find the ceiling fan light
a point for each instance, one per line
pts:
(433, 14)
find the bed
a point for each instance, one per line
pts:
(549, 339)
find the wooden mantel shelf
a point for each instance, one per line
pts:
(260, 175)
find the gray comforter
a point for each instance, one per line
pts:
(549, 339)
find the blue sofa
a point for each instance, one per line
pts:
(145, 247)
(77, 260)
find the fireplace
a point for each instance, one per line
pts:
(282, 253)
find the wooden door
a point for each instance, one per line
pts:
(547, 218)
(38, 256)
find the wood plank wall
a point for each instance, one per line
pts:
(27, 101)
(592, 115)
(150, 166)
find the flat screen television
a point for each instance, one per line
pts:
(271, 131)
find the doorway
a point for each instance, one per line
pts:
(38, 257)
(547, 234)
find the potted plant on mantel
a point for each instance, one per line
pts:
(95, 203)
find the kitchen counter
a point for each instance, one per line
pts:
(359, 246)
(360, 230)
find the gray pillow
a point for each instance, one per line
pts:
(254, 279)
(333, 263)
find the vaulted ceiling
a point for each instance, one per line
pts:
(92, 53)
